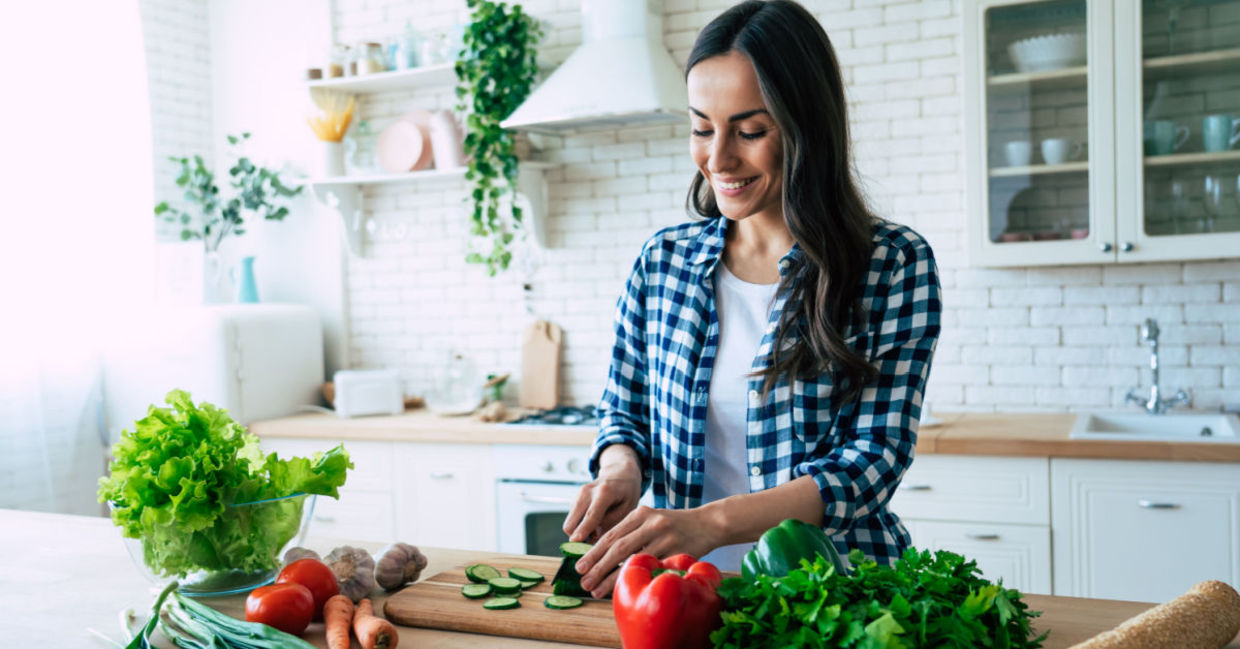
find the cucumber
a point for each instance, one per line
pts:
(562, 602)
(528, 583)
(525, 575)
(476, 591)
(481, 573)
(575, 550)
(566, 580)
(505, 585)
(501, 603)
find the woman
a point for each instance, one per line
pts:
(770, 359)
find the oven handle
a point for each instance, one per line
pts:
(545, 500)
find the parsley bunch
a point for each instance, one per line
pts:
(924, 600)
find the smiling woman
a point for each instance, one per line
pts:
(769, 359)
(77, 244)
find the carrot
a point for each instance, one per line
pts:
(372, 631)
(337, 618)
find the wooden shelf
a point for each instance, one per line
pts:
(1191, 158)
(1215, 61)
(1035, 170)
(442, 74)
(1064, 77)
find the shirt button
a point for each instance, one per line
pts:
(783, 264)
(755, 471)
(754, 398)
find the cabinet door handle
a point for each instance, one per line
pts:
(916, 487)
(1104, 247)
(546, 500)
(1126, 246)
(441, 475)
(986, 536)
(1149, 504)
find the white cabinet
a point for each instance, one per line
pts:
(994, 510)
(1145, 531)
(445, 495)
(1086, 130)
(364, 511)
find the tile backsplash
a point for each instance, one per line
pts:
(1038, 339)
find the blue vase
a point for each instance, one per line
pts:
(247, 289)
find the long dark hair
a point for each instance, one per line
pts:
(801, 83)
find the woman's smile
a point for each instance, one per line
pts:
(731, 188)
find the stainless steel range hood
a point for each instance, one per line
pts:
(621, 75)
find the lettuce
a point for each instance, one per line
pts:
(175, 476)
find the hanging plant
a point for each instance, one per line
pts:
(495, 73)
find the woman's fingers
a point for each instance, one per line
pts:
(578, 510)
(613, 547)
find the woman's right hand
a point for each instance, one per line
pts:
(607, 500)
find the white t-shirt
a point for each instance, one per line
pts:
(743, 310)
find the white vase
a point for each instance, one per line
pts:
(331, 159)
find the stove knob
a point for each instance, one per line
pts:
(548, 468)
(574, 466)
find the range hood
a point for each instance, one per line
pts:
(621, 75)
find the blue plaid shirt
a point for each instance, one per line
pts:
(667, 335)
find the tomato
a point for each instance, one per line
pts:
(287, 607)
(314, 575)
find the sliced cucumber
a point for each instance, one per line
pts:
(505, 585)
(562, 602)
(528, 583)
(525, 575)
(566, 580)
(481, 573)
(575, 550)
(476, 591)
(501, 603)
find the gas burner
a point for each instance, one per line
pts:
(562, 416)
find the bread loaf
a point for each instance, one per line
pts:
(1206, 617)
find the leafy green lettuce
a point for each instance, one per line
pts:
(176, 477)
(923, 600)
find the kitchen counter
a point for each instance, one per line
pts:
(1030, 435)
(64, 574)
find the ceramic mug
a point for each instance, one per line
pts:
(1220, 132)
(1019, 153)
(1164, 136)
(1058, 150)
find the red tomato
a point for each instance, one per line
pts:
(316, 576)
(287, 607)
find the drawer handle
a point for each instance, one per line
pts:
(1149, 504)
(441, 475)
(916, 487)
(325, 519)
(546, 500)
(990, 536)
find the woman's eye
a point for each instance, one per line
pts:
(752, 136)
(702, 133)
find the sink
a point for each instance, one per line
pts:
(1170, 427)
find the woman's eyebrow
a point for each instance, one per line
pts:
(735, 118)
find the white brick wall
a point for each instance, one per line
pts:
(1028, 339)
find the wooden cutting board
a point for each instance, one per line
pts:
(540, 366)
(437, 603)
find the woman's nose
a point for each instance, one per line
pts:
(722, 157)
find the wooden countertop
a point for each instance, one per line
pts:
(1028, 434)
(65, 574)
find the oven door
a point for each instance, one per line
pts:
(530, 515)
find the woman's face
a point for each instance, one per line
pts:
(735, 141)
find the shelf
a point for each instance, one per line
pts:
(1215, 61)
(442, 74)
(1191, 158)
(1063, 77)
(1036, 170)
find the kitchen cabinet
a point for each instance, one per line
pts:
(994, 510)
(1086, 130)
(445, 495)
(1144, 531)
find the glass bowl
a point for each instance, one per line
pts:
(278, 523)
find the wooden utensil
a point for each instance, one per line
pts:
(540, 366)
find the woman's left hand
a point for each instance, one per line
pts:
(661, 532)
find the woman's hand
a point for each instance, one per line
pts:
(604, 502)
(661, 532)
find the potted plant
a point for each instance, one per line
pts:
(495, 73)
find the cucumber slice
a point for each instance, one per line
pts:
(481, 573)
(562, 602)
(476, 591)
(525, 575)
(505, 585)
(575, 550)
(501, 603)
(528, 583)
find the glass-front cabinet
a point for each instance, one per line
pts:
(1102, 130)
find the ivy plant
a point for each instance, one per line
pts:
(495, 73)
(256, 189)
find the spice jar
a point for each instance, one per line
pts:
(371, 59)
(337, 61)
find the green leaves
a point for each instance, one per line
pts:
(495, 74)
(924, 600)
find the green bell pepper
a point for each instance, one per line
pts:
(782, 547)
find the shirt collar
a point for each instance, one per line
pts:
(708, 247)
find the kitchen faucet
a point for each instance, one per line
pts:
(1154, 404)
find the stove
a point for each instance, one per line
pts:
(579, 416)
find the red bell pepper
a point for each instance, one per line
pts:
(669, 604)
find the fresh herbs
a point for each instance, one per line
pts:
(924, 600)
(178, 473)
